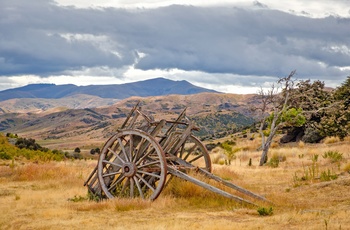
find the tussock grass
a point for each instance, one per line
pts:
(331, 140)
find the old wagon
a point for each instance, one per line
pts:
(144, 154)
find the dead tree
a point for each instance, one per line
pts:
(273, 105)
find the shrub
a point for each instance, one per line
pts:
(5, 156)
(347, 168)
(77, 156)
(265, 211)
(275, 160)
(328, 175)
(331, 140)
(334, 156)
(77, 150)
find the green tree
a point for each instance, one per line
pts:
(314, 101)
(336, 121)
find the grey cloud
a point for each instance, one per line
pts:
(209, 39)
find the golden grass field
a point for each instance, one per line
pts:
(51, 195)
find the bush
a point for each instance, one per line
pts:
(275, 160)
(77, 156)
(5, 156)
(77, 150)
(347, 168)
(265, 211)
(328, 175)
(334, 156)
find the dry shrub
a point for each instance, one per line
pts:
(331, 140)
(301, 144)
(274, 144)
(347, 168)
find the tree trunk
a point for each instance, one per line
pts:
(263, 158)
(268, 142)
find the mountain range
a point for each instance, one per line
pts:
(152, 87)
(74, 116)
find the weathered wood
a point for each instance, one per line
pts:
(231, 185)
(222, 181)
(209, 187)
(130, 114)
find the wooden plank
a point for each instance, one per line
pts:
(130, 114)
(209, 187)
(222, 181)
(231, 185)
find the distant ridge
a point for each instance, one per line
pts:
(152, 87)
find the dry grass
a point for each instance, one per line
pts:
(41, 196)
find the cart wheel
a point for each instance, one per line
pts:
(193, 151)
(132, 164)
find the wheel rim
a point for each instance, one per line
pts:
(132, 164)
(194, 152)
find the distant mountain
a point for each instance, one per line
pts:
(152, 87)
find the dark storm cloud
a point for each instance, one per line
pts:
(39, 37)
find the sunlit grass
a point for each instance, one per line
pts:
(40, 195)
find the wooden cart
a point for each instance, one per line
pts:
(142, 156)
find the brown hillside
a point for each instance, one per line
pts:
(85, 125)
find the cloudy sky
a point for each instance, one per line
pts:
(231, 46)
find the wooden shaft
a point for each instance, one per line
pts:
(209, 187)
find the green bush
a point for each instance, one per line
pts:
(265, 211)
(5, 156)
(275, 160)
(328, 176)
(334, 156)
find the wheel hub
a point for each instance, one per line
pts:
(129, 169)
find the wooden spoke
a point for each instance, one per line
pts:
(132, 184)
(115, 154)
(118, 181)
(125, 185)
(144, 156)
(148, 164)
(145, 182)
(149, 174)
(138, 187)
(189, 152)
(194, 152)
(111, 174)
(123, 149)
(196, 158)
(112, 163)
(131, 148)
